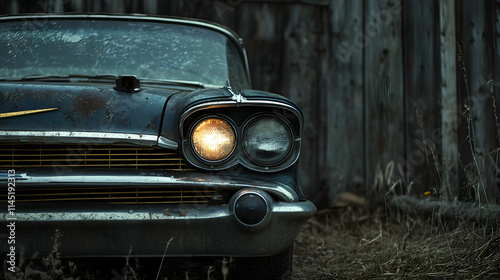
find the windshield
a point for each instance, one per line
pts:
(152, 50)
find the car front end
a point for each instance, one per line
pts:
(122, 134)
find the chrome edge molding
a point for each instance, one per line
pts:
(69, 137)
(297, 209)
(167, 143)
(166, 179)
(235, 103)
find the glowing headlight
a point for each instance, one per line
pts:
(213, 139)
(267, 140)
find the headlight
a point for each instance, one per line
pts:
(213, 139)
(267, 140)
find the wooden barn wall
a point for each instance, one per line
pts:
(398, 96)
(477, 97)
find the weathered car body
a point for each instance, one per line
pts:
(107, 159)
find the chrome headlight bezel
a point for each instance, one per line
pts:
(240, 117)
(263, 162)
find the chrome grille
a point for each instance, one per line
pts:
(95, 156)
(115, 195)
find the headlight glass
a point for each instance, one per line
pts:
(267, 140)
(213, 139)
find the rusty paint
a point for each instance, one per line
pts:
(14, 98)
(87, 105)
(180, 213)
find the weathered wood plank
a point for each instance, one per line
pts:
(383, 86)
(302, 62)
(448, 88)
(342, 83)
(263, 31)
(496, 83)
(476, 57)
(422, 104)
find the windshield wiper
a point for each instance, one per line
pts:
(112, 77)
(175, 83)
(60, 77)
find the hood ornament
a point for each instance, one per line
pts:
(27, 112)
(237, 96)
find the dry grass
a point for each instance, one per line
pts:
(349, 243)
(346, 244)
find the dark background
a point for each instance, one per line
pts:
(397, 95)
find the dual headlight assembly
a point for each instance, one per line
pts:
(264, 142)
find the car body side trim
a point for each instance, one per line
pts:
(234, 103)
(167, 143)
(151, 178)
(71, 137)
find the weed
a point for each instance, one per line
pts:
(418, 248)
(47, 268)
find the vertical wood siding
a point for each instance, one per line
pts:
(383, 90)
(395, 93)
(475, 38)
(448, 137)
(422, 102)
(342, 86)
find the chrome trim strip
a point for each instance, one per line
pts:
(167, 143)
(104, 216)
(247, 66)
(235, 103)
(303, 208)
(26, 112)
(166, 179)
(66, 137)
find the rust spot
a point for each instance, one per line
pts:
(87, 105)
(14, 98)
(156, 120)
(181, 213)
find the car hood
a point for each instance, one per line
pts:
(81, 107)
(84, 112)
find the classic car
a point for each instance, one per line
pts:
(125, 133)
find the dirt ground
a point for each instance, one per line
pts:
(350, 244)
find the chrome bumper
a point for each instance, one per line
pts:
(194, 230)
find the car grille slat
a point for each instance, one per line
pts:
(95, 156)
(116, 195)
(22, 155)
